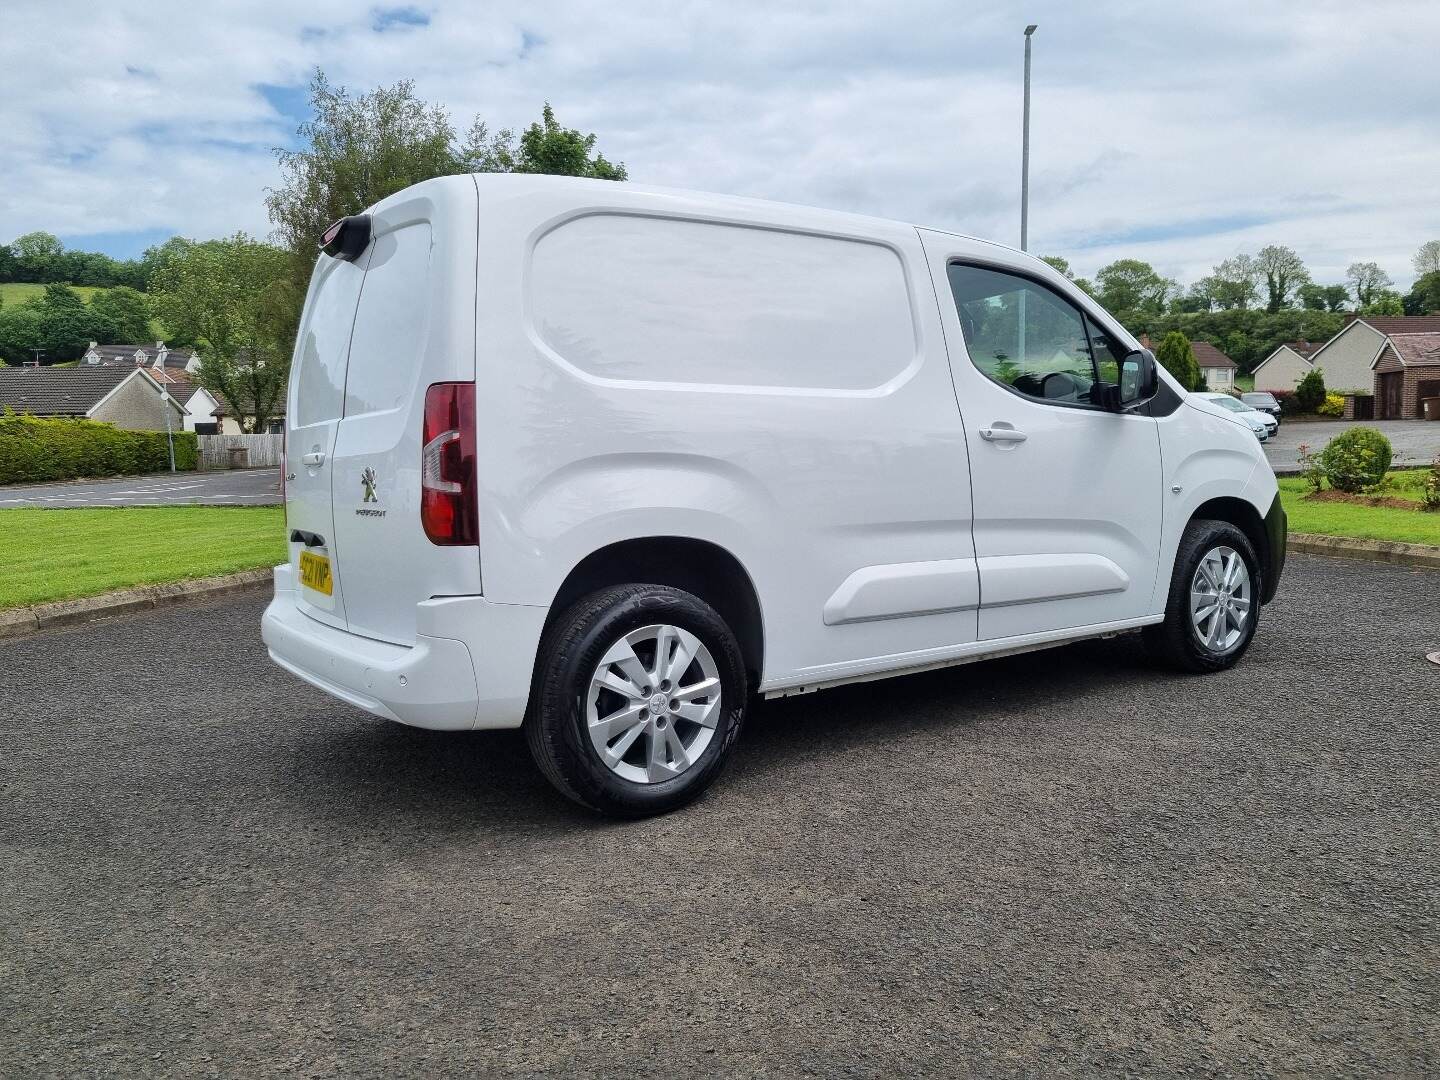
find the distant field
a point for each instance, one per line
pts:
(14, 293)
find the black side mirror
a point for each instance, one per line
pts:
(1138, 383)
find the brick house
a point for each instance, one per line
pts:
(129, 398)
(1348, 359)
(1407, 370)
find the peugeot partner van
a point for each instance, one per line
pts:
(608, 462)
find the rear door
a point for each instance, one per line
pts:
(312, 416)
(414, 326)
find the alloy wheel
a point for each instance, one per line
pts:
(1221, 599)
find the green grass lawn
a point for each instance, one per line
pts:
(15, 293)
(1367, 522)
(63, 554)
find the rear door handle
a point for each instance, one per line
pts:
(314, 459)
(1001, 434)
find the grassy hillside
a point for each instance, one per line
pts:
(15, 293)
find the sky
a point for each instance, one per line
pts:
(1180, 133)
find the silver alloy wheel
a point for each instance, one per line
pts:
(653, 703)
(1220, 599)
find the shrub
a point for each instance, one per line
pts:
(1310, 394)
(1286, 400)
(1356, 459)
(1333, 405)
(1430, 496)
(1177, 357)
(1311, 468)
(33, 450)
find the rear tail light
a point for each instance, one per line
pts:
(448, 498)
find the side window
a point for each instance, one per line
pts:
(1108, 352)
(1024, 336)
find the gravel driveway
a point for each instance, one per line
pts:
(1060, 864)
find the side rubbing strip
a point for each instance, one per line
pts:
(897, 590)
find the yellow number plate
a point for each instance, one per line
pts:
(315, 572)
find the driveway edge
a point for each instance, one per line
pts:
(19, 622)
(1349, 547)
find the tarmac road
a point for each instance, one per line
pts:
(1063, 864)
(240, 487)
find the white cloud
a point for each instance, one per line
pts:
(1176, 133)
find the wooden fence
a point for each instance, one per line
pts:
(265, 450)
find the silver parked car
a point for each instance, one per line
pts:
(1263, 424)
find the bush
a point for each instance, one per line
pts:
(1333, 405)
(1286, 400)
(1430, 496)
(1177, 357)
(1310, 394)
(1356, 459)
(33, 450)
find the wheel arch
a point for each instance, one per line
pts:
(701, 567)
(1243, 515)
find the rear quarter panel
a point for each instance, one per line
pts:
(803, 484)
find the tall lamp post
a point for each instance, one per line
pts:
(1025, 151)
(169, 435)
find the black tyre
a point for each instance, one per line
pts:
(640, 694)
(1213, 606)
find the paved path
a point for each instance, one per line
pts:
(1061, 864)
(1415, 442)
(241, 487)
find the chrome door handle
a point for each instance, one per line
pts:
(1001, 434)
(314, 459)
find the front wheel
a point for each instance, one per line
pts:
(1213, 606)
(640, 695)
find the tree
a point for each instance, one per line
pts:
(1427, 259)
(1384, 302)
(1129, 286)
(546, 147)
(1061, 266)
(36, 256)
(1284, 272)
(1323, 297)
(127, 309)
(1235, 283)
(1177, 357)
(233, 298)
(1310, 391)
(1366, 279)
(1424, 297)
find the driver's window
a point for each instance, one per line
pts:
(1023, 336)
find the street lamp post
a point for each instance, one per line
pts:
(1025, 152)
(169, 435)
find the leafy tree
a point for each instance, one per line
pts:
(127, 309)
(1323, 297)
(1366, 279)
(36, 256)
(1062, 266)
(20, 333)
(233, 298)
(1310, 391)
(1129, 286)
(61, 297)
(1177, 357)
(1427, 259)
(1235, 283)
(546, 147)
(1384, 302)
(1424, 297)
(1284, 272)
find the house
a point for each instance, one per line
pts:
(1407, 370)
(1348, 360)
(1217, 368)
(128, 398)
(139, 355)
(232, 416)
(1286, 366)
(202, 408)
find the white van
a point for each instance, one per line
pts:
(607, 462)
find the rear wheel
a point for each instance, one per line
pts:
(640, 695)
(1214, 602)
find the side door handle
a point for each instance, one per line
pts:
(314, 459)
(1002, 433)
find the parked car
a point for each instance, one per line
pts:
(1263, 424)
(1263, 401)
(606, 462)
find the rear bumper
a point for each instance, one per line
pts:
(470, 666)
(1277, 530)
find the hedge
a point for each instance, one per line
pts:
(34, 450)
